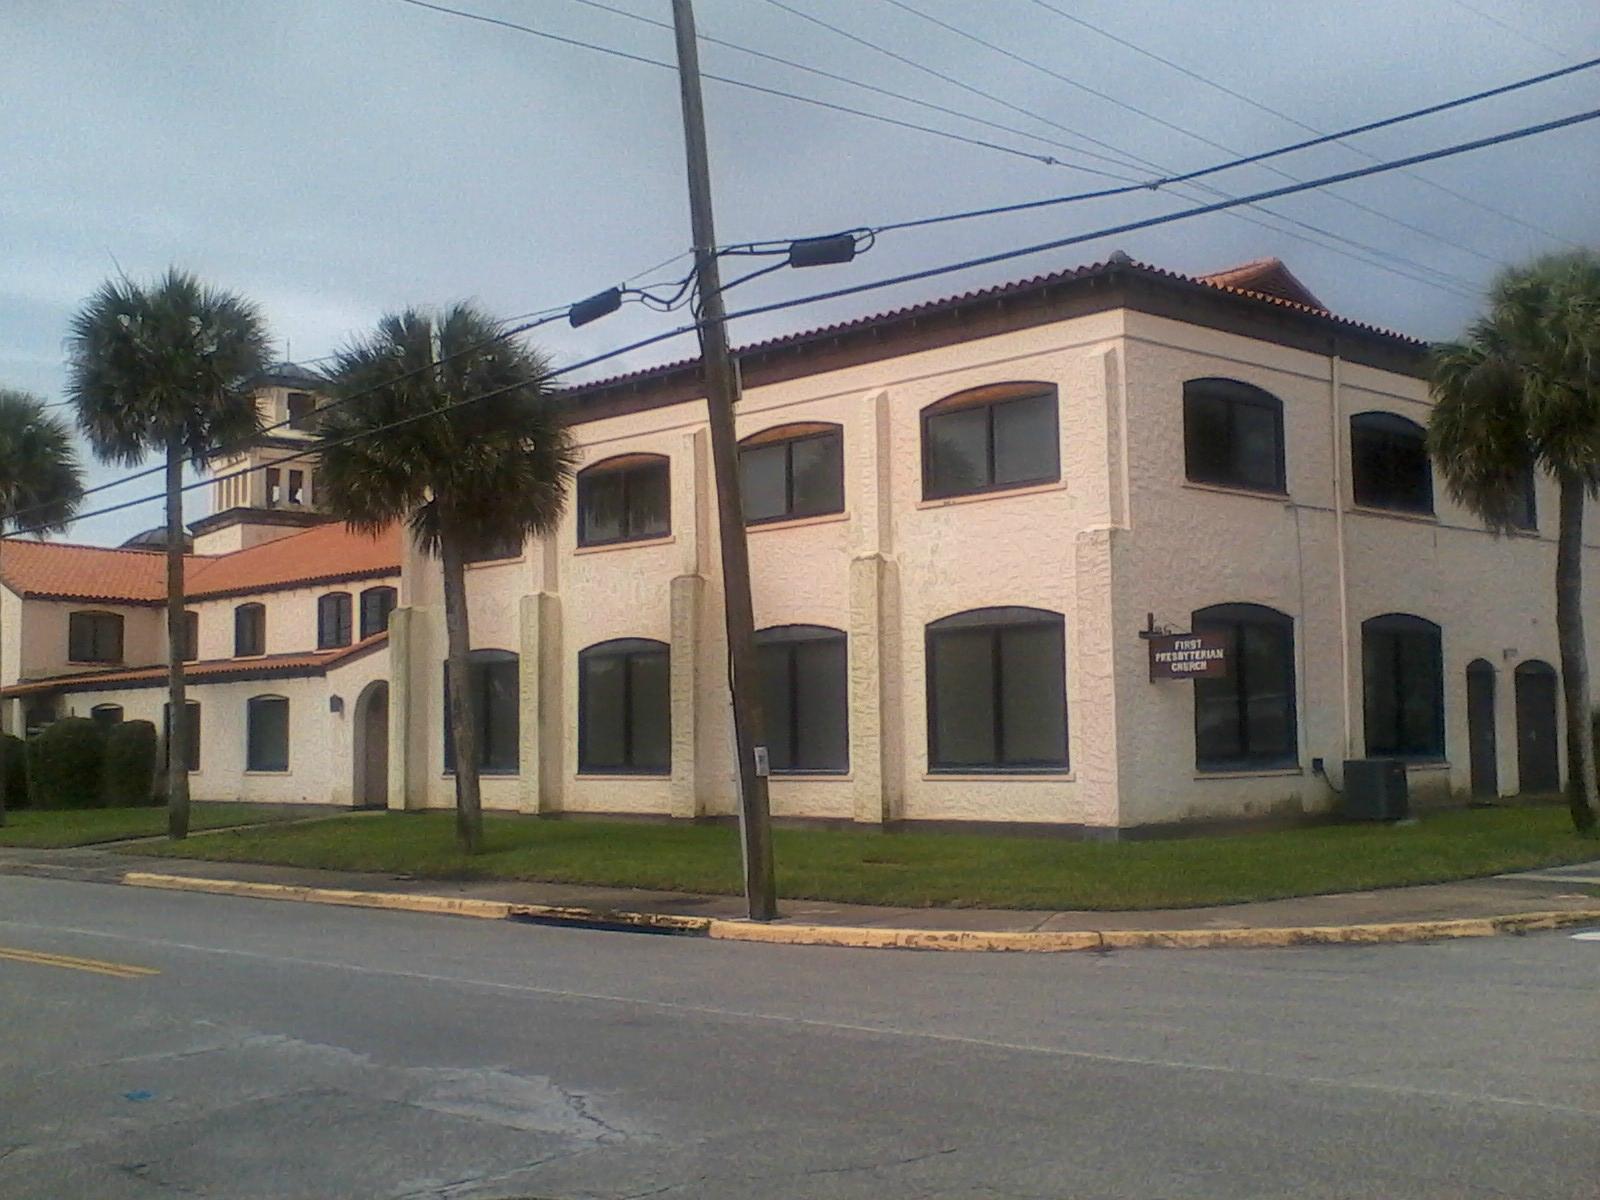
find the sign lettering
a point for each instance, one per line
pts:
(1190, 656)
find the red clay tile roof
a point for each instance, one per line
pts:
(60, 570)
(221, 670)
(1267, 278)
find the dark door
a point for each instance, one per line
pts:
(1537, 762)
(373, 752)
(1480, 729)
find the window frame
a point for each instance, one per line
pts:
(1391, 624)
(629, 466)
(99, 711)
(1378, 423)
(1234, 394)
(305, 422)
(629, 649)
(990, 398)
(342, 621)
(995, 620)
(1237, 617)
(479, 679)
(255, 613)
(251, 708)
(790, 638)
(788, 437)
(368, 595)
(91, 619)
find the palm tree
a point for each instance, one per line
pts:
(170, 368)
(491, 471)
(41, 484)
(1518, 395)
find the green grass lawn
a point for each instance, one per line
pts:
(927, 869)
(54, 828)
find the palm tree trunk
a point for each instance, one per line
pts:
(178, 713)
(463, 734)
(1575, 654)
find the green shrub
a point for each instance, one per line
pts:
(16, 771)
(130, 764)
(66, 764)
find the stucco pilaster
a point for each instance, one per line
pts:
(530, 711)
(551, 722)
(871, 653)
(687, 591)
(1093, 679)
(407, 714)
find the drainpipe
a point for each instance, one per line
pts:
(1337, 408)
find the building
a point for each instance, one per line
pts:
(966, 519)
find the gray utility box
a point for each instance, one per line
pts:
(1375, 789)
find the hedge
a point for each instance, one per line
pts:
(130, 764)
(16, 771)
(66, 764)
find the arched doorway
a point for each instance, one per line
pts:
(1480, 729)
(371, 757)
(1538, 764)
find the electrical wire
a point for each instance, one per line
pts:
(1523, 34)
(1338, 138)
(1046, 159)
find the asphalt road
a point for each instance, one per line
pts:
(287, 1050)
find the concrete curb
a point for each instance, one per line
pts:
(869, 938)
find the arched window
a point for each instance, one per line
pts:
(267, 733)
(1233, 435)
(94, 637)
(1403, 687)
(1247, 720)
(250, 629)
(997, 697)
(106, 714)
(192, 711)
(333, 620)
(376, 605)
(624, 499)
(1389, 463)
(625, 708)
(805, 697)
(189, 645)
(792, 471)
(494, 702)
(989, 438)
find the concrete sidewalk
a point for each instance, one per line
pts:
(1536, 899)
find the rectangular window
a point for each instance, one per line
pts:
(797, 477)
(267, 734)
(625, 708)
(493, 548)
(804, 687)
(1246, 720)
(249, 630)
(624, 503)
(376, 606)
(333, 620)
(192, 709)
(495, 711)
(273, 480)
(94, 637)
(301, 407)
(297, 487)
(1009, 443)
(997, 691)
(189, 645)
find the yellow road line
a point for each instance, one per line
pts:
(71, 963)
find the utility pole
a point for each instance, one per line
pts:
(722, 393)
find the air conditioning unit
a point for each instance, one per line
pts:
(1375, 789)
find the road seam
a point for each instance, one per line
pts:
(873, 938)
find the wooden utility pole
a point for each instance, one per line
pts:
(722, 393)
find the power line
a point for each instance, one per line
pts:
(1187, 132)
(855, 83)
(1322, 133)
(1511, 29)
(1046, 159)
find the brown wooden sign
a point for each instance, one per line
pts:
(1190, 656)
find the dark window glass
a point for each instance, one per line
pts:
(625, 708)
(799, 477)
(106, 714)
(274, 493)
(1525, 506)
(267, 734)
(301, 407)
(1007, 443)
(1389, 463)
(997, 691)
(1403, 683)
(805, 695)
(333, 620)
(496, 706)
(624, 503)
(189, 642)
(376, 605)
(297, 487)
(1232, 435)
(94, 637)
(1248, 719)
(37, 715)
(493, 548)
(250, 629)
(192, 708)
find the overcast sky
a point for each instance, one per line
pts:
(335, 159)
